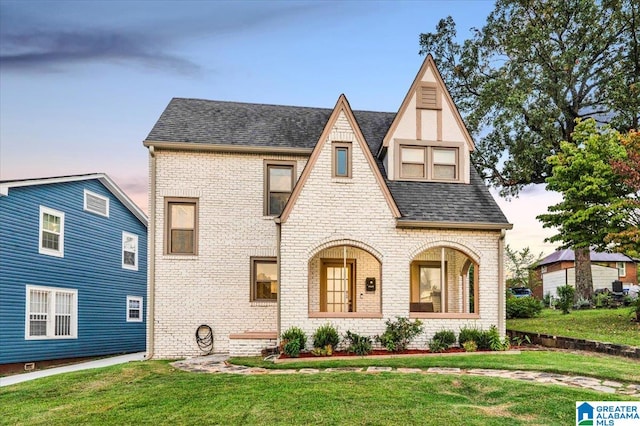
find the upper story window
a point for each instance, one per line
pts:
(445, 163)
(622, 269)
(51, 313)
(51, 232)
(129, 251)
(181, 234)
(279, 182)
(95, 203)
(341, 159)
(413, 162)
(421, 160)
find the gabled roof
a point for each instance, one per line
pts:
(568, 255)
(5, 185)
(232, 126)
(342, 106)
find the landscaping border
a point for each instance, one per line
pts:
(392, 355)
(561, 342)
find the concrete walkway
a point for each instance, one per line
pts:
(104, 362)
(217, 364)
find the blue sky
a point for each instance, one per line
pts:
(82, 83)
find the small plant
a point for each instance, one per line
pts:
(521, 340)
(399, 333)
(325, 351)
(496, 343)
(547, 300)
(470, 346)
(566, 295)
(523, 307)
(601, 300)
(582, 303)
(448, 337)
(437, 346)
(326, 335)
(468, 334)
(293, 340)
(359, 345)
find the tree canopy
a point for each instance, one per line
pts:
(518, 263)
(537, 65)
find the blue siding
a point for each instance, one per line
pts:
(92, 264)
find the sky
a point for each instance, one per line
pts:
(83, 82)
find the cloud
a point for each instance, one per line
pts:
(51, 50)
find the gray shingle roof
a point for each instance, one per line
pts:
(570, 256)
(244, 124)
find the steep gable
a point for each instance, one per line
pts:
(341, 127)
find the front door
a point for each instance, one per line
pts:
(337, 286)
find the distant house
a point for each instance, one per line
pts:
(73, 270)
(269, 216)
(559, 269)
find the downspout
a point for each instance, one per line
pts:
(151, 249)
(278, 239)
(501, 289)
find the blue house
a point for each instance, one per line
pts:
(73, 270)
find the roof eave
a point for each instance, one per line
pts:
(488, 226)
(191, 146)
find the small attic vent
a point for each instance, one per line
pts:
(95, 203)
(428, 97)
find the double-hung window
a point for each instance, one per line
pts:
(181, 235)
(134, 309)
(264, 279)
(622, 269)
(279, 181)
(428, 162)
(129, 251)
(413, 162)
(445, 164)
(51, 232)
(51, 313)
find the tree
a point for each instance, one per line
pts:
(537, 65)
(518, 264)
(584, 175)
(627, 239)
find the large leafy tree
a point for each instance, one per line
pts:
(537, 65)
(518, 264)
(584, 175)
(627, 239)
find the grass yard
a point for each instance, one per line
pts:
(589, 364)
(603, 325)
(152, 392)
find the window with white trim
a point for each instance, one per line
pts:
(622, 269)
(129, 251)
(51, 313)
(96, 203)
(51, 234)
(134, 309)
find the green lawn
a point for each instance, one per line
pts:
(154, 393)
(603, 325)
(589, 364)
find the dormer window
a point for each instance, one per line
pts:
(445, 163)
(428, 160)
(413, 162)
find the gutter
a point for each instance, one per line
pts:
(407, 223)
(151, 248)
(210, 147)
(278, 244)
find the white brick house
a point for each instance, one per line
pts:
(265, 217)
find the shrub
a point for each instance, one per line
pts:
(601, 300)
(468, 334)
(359, 345)
(582, 303)
(326, 335)
(399, 333)
(470, 346)
(547, 300)
(496, 343)
(566, 294)
(293, 341)
(448, 337)
(437, 345)
(523, 307)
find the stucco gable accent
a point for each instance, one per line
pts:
(342, 106)
(345, 242)
(463, 246)
(428, 65)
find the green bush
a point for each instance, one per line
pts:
(602, 300)
(437, 346)
(293, 341)
(448, 337)
(399, 334)
(547, 300)
(496, 343)
(481, 338)
(359, 345)
(470, 346)
(326, 335)
(566, 295)
(523, 307)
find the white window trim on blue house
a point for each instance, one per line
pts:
(89, 208)
(51, 311)
(133, 309)
(45, 250)
(134, 250)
